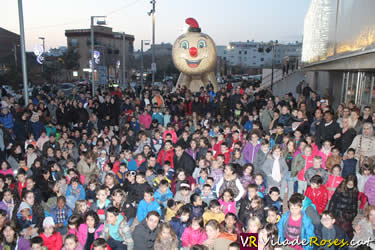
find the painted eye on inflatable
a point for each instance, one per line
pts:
(202, 44)
(184, 44)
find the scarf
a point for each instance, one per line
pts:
(276, 173)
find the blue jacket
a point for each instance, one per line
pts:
(159, 117)
(178, 226)
(37, 128)
(55, 212)
(144, 208)
(307, 228)
(79, 193)
(132, 164)
(7, 120)
(163, 198)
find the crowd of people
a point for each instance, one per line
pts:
(151, 168)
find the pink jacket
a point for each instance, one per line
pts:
(173, 133)
(227, 207)
(145, 120)
(332, 183)
(324, 158)
(370, 190)
(192, 237)
(8, 171)
(82, 233)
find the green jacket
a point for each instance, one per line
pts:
(298, 163)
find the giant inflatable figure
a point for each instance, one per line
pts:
(194, 54)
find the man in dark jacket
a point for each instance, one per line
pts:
(327, 130)
(52, 143)
(182, 160)
(21, 127)
(144, 234)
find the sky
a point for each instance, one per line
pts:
(223, 20)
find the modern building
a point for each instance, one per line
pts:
(339, 50)
(258, 54)
(109, 46)
(57, 51)
(9, 48)
(163, 49)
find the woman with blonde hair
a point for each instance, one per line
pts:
(166, 238)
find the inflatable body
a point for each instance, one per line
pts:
(194, 54)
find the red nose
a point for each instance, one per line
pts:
(193, 51)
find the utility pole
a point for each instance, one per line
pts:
(23, 53)
(273, 61)
(153, 66)
(142, 63)
(92, 52)
(124, 60)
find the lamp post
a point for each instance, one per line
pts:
(23, 53)
(268, 50)
(123, 60)
(153, 65)
(147, 42)
(92, 51)
(44, 49)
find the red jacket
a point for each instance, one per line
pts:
(332, 183)
(165, 156)
(54, 242)
(319, 197)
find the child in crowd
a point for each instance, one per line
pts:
(207, 194)
(327, 230)
(245, 206)
(273, 215)
(194, 234)
(247, 175)
(73, 223)
(163, 193)
(71, 243)
(101, 204)
(317, 193)
(317, 169)
(166, 238)
(257, 209)
(217, 169)
(349, 164)
(181, 220)
(91, 190)
(196, 205)
(51, 238)
(362, 176)
(295, 218)
(168, 170)
(60, 215)
(147, 204)
(334, 180)
(273, 199)
(184, 193)
(74, 192)
(254, 224)
(261, 185)
(325, 152)
(227, 203)
(369, 190)
(172, 209)
(121, 174)
(213, 212)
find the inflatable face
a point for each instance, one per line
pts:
(194, 54)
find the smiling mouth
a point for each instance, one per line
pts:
(193, 63)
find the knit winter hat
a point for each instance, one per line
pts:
(48, 221)
(34, 117)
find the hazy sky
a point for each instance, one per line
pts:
(223, 20)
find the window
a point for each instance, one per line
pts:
(74, 42)
(239, 52)
(262, 59)
(245, 52)
(254, 57)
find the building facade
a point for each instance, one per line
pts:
(339, 50)
(109, 44)
(258, 54)
(9, 48)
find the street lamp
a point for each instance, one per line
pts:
(23, 52)
(268, 50)
(99, 22)
(44, 49)
(146, 42)
(153, 65)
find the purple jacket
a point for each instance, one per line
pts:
(5, 207)
(22, 244)
(370, 190)
(192, 153)
(250, 151)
